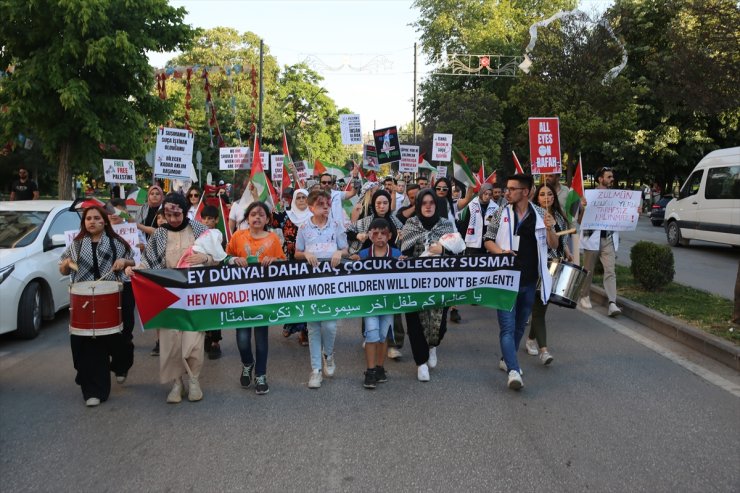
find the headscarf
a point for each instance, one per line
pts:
(161, 192)
(428, 222)
(484, 188)
(380, 193)
(175, 202)
(447, 203)
(296, 215)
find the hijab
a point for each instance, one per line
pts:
(447, 202)
(428, 222)
(296, 215)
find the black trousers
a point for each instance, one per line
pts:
(93, 359)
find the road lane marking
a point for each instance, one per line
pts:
(707, 375)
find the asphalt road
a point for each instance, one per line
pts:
(708, 266)
(608, 415)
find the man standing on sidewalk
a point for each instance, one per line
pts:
(602, 244)
(24, 188)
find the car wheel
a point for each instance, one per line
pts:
(29, 312)
(673, 233)
(656, 222)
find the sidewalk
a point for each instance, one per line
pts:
(723, 351)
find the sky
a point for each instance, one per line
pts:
(363, 49)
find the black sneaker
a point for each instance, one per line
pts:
(370, 380)
(246, 377)
(260, 385)
(214, 352)
(455, 316)
(380, 376)
(155, 351)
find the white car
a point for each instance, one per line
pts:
(31, 241)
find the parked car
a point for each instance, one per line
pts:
(657, 210)
(708, 205)
(31, 241)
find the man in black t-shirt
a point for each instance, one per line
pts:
(524, 230)
(24, 188)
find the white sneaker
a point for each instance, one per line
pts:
(532, 347)
(175, 395)
(586, 303)
(515, 380)
(546, 357)
(394, 353)
(422, 373)
(432, 361)
(92, 402)
(329, 366)
(314, 381)
(614, 310)
(502, 366)
(194, 392)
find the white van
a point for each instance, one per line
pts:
(708, 205)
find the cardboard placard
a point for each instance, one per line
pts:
(386, 144)
(409, 159)
(119, 171)
(234, 158)
(611, 210)
(174, 153)
(544, 145)
(442, 147)
(351, 129)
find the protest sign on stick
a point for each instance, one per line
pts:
(611, 210)
(442, 147)
(174, 153)
(119, 171)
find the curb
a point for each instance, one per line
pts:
(707, 344)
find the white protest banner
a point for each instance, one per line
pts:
(119, 171)
(174, 153)
(276, 167)
(301, 169)
(442, 147)
(611, 210)
(127, 231)
(441, 171)
(233, 158)
(409, 159)
(350, 128)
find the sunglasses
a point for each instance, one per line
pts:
(194, 195)
(326, 182)
(441, 189)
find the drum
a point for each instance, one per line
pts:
(567, 281)
(95, 308)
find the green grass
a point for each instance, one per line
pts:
(708, 312)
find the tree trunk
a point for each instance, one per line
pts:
(64, 175)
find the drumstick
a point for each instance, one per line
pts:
(566, 232)
(104, 275)
(73, 265)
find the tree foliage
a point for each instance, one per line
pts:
(81, 82)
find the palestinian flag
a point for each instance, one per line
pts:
(265, 191)
(573, 200)
(424, 164)
(517, 166)
(461, 171)
(91, 202)
(320, 167)
(480, 177)
(491, 178)
(137, 197)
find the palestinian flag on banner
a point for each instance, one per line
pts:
(517, 166)
(265, 192)
(320, 167)
(461, 171)
(137, 197)
(573, 200)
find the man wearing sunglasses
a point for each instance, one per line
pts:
(602, 244)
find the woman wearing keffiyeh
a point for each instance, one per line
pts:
(180, 352)
(96, 252)
(420, 238)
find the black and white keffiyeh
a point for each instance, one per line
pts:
(81, 252)
(156, 249)
(363, 225)
(415, 236)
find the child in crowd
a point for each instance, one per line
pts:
(377, 326)
(250, 246)
(214, 247)
(321, 238)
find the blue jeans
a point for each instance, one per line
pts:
(377, 327)
(321, 336)
(511, 325)
(244, 343)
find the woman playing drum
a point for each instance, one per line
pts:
(181, 352)
(96, 252)
(536, 342)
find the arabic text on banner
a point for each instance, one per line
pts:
(208, 298)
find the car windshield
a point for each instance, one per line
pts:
(20, 228)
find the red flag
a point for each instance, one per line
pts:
(517, 167)
(491, 178)
(480, 177)
(318, 168)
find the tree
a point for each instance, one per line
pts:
(81, 81)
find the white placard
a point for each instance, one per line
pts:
(127, 231)
(119, 171)
(442, 147)
(276, 167)
(441, 171)
(351, 129)
(233, 158)
(301, 169)
(265, 158)
(611, 210)
(174, 153)
(409, 159)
